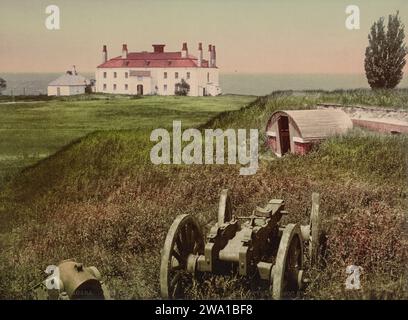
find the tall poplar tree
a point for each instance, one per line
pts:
(385, 54)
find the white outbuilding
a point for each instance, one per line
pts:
(68, 84)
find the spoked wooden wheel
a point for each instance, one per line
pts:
(314, 229)
(288, 268)
(224, 208)
(184, 241)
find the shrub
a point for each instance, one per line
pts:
(3, 84)
(182, 88)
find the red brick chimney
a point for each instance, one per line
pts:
(158, 48)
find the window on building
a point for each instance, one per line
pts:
(176, 75)
(104, 75)
(126, 86)
(104, 86)
(165, 87)
(188, 75)
(165, 75)
(115, 75)
(114, 87)
(208, 77)
(126, 75)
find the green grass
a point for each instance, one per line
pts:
(100, 201)
(31, 131)
(256, 114)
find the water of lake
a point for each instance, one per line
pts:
(253, 84)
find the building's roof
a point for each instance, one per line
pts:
(316, 124)
(153, 60)
(69, 80)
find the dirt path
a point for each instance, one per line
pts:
(378, 114)
(15, 102)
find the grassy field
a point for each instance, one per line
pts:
(32, 130)
(100, 200)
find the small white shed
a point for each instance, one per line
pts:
(68, 84)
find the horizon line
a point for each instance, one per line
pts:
(221, 73)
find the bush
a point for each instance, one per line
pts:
(182, 88)
(3, 84)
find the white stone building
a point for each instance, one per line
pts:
(158, 72)
(70, 83)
